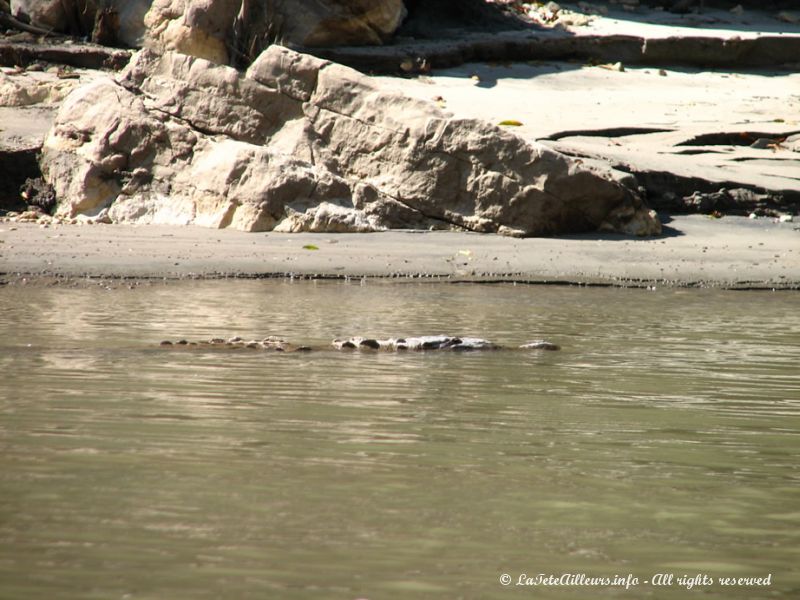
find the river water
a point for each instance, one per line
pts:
(663, 439)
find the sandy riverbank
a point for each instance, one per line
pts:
(731, 252)
(678, 129)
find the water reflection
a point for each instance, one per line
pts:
(664, 436)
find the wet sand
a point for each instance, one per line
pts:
(731, 252)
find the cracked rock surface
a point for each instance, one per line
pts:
(297, 143)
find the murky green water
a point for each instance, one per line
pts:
(663, 438)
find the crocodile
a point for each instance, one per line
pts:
(366, 344)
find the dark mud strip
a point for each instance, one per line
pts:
(85, 56)
(464, 47)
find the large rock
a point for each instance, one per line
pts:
(200, 28)
(224, 31)
(114, 22)
(36, 88)
(235, 31)
(340, 22)
(300, 144)
(48, 13)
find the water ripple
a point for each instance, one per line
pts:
(668, 425)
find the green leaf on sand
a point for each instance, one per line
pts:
(310, 247)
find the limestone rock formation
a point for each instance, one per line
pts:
(112, 22)
(48, 13)
(341, 22)
(199, 28)
(26, 92)
(214, 29)
(224, 31)
(301, 144)
(43, 13)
